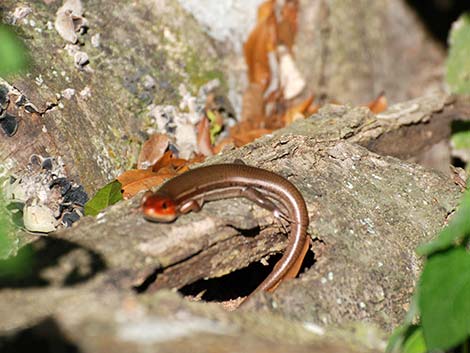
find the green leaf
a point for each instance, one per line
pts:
(395, 341)
(458, 63)
(106, 196)
(13, 55)
(415, 342)
(19, 266)
(214, 127)
(461, 134)
(7, 243)
(407, 339)
(461, 140)
(403, 337)
(14, 264)
(444, 298)
(457, 230)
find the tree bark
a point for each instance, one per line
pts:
(98, 134)
(367, 212)
(351, 51)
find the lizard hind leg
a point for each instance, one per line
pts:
(263, 201)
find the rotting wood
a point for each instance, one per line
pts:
(360, 203)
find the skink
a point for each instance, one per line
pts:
(188, 192)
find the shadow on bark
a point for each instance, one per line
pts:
(239, 283)
(50, 262)
(46, 336)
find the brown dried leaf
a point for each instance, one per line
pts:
(243, 137)
(298, 111)
(265, 10)
(152, 150)
(261, 40)
(379, 104)
(287, 28)
(204, 137)
(253, 106)
(136, 180)
(169, 162)
(260, 115)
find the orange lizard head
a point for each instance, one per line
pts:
(158, 207)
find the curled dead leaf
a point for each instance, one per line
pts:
(298, 111)
(152, 150)
(379, 104)
(253, 106)
(243, 137)
(287, 27)
(169, 162)
(262, 40)
(136, 180)
(204, 137)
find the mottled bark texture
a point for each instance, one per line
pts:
(351, 51)
(368, 212)
(98, 130)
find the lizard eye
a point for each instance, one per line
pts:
(164, 205)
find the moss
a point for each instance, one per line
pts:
(200, 72)
(146, 41)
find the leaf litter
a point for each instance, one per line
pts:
(205, 124)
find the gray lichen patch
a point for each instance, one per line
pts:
(69, 20)
(44, 196)
(144, 54)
